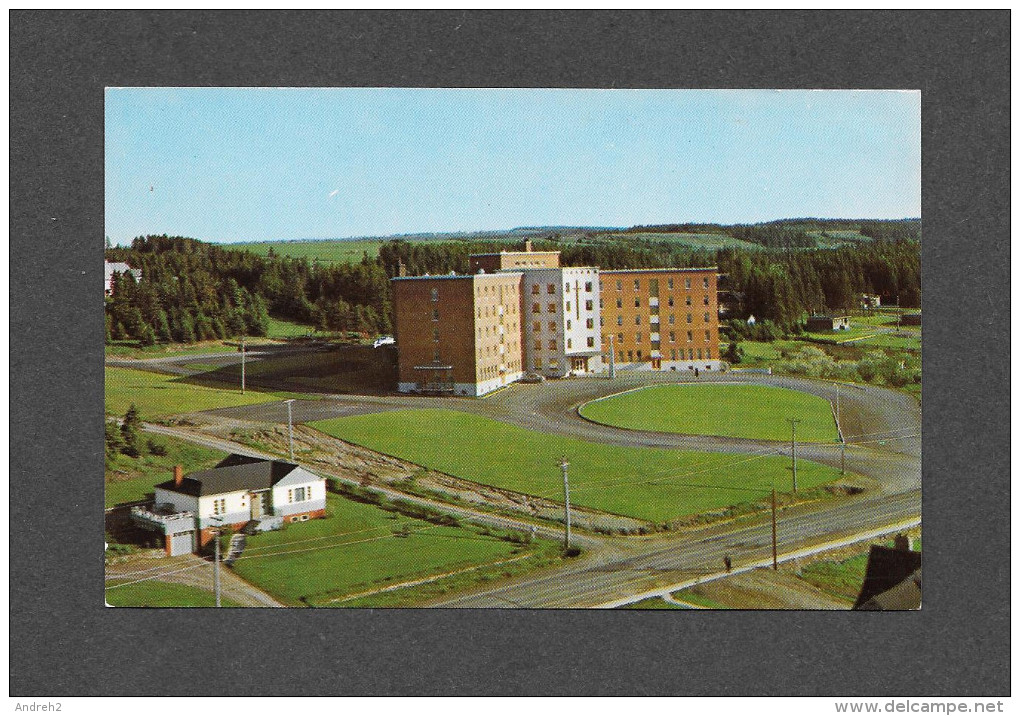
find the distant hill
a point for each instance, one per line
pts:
(797, 233)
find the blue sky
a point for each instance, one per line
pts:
(260, 164)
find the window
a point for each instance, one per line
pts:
(552, 344)
(637, 285)
(637, 320)
(435, 294)
(299, 494)
(568, 325)
(550, 289)
(699, 354)
(669, 282)
(538, 344)
(591, 342)
(639, 355)
(707, 319)
(619, 303)
(705, 300)
(536, 326)
(435, 314)
(619, 337)
(708, 353)
(689, 318)
(552, 325)
(670, 300)
(637, 337)
(570, 343)
(535, 308)
(688, 300)
(589, 323)
(704, 282)
(687, 283)
(435, 355)
(637, 303)
(619, 285)
(672, 354)
(220, 506)
(672, 318)
(534, 289)
(672, 336)
(587, 287)
(435, 334)
(630, 355)
(588, 305)
(708, 336)
(568, 306)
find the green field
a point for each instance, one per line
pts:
(157, 395)
(163, 594)
(280, 328)
(842, 578)
(131, 349)
(740, 411)
(851, 334)
(331, 251)
(902, 340)
(355, 550)
(651, 484)
(698, 241)
(129, 479)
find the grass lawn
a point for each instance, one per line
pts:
(902, 340)
(338, 251)
(280, 328)
(157, 395)
(163, 594)
(129, 479)
(131, 349)
(354, 550)
(651, 484)
(746, 411)
(758, 353)
(852, 333)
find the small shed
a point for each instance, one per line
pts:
(828, 323)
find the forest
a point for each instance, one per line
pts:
(192, 290)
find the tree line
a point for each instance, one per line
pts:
(192, 290)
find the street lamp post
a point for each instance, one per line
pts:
(216, 560)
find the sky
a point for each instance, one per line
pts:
(239, 164)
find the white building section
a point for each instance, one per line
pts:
(562, 335)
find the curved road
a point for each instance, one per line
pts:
(882, 428)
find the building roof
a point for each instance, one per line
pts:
(525, 253)
(455, 276)
(663, 270)
(233, 473)
(905, 595)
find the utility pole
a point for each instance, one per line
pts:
(290, 429)
(216, 562)
(566, 501)
(242, 364)
(842, 440)
(612, 356)
(775, 556)
(793, 448)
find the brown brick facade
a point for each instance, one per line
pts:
(662, 316)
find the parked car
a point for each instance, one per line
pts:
(533, 378)
(383, 341)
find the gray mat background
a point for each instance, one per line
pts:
(64, 642)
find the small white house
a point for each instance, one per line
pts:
(241, 492)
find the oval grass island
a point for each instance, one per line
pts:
(727, 410)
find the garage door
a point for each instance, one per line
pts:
(182, 543)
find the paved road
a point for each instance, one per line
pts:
(882, 426)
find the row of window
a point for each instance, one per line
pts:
(620, 355)
(536, 326)
(670, 302)
(653, 284)
(672, 319)
(672, 337)
(551, 307)
(590, 340)
(551, 288)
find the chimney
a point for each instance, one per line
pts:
(401, 269)
(527, 245)
(178, 475)
(902, 543)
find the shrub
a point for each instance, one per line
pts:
(156, 448)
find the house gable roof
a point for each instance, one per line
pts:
(235, 473)
(887, 568)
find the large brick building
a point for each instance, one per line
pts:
(666, 317)
(458, 334)
(521, 312)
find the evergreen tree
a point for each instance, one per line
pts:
(129, 430)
